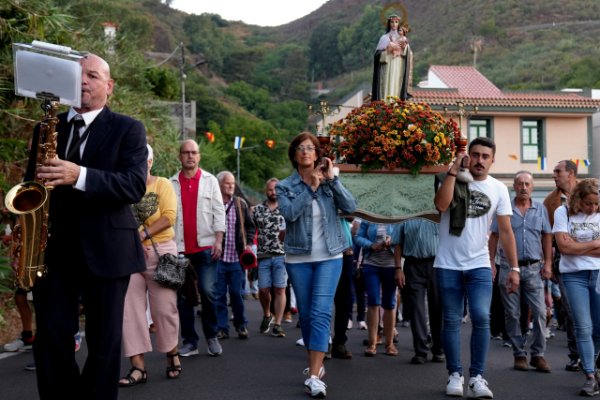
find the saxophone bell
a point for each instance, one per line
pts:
(29, 201)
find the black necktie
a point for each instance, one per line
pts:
(77, 123)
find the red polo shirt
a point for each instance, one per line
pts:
(189, 205)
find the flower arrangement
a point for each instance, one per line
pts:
(399, 134)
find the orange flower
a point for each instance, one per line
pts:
(396, 134)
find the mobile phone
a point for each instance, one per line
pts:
(323, 164)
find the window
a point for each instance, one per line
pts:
(479, 127)
(531, 140)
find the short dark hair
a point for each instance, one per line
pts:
(301, 137)
(569, 166)
(483, 141)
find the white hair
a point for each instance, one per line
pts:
(150, 152)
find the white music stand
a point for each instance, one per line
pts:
(47, 71)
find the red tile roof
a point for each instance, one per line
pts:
(469, 85)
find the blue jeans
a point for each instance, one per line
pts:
(580, 289)
(314, 284)
(207, 279)
(476, 286)
(380, 285)
(531, 288)
(230, 274)
(272, 273)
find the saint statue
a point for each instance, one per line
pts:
(392, 70)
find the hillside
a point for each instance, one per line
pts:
(527, 44)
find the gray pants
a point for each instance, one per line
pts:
(532, 288)
(421, 281)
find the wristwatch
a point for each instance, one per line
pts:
(516, 269)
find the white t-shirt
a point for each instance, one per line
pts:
(319, 250)
(582, 228)
(470, 250)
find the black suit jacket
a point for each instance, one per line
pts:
(98, 222)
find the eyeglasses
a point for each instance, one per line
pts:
(308, 149)
(190, 153)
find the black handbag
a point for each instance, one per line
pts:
(189, 291)
(170, 270)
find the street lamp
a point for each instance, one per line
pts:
(462, 112)
(324, 110)
(183, 76)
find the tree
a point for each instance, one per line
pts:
(357, 42)
(325, 59)
(205, 38)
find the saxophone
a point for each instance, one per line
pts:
(30, 202)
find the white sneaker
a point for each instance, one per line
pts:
(349, 324)
(315, 387)
(15, 345)
(454, 387)
(362, 325)
(321, 372)
(478, 389)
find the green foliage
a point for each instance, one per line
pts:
(283, 71)
(257, 101)
(257, 162)
(206, 38)
(240, 62)
(585, 73)
(325, 58)
(357, 41)
(164, 82)
(287, 116)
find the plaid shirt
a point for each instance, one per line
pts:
(229, 251)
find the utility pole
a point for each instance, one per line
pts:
(183, 76)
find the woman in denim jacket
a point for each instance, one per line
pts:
(309, 201)
(379, 275)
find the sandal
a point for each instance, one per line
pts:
(391, 350)
(370, 351)
(173, 368)
(131, 381)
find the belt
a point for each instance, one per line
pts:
(527, 263)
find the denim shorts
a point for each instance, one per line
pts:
(272, 273)
(380, 285)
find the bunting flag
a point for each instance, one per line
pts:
(210, 137)
(238, 143)
(270, 143)
(541, 163)
(585, 161)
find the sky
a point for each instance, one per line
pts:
(256, 12)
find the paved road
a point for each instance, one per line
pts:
(265, 367)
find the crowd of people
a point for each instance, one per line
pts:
(308, 247)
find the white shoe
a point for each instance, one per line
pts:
(478, 389)
(362, 325)
(454, 387)
(349, 324)
(16, 345)
(321, 372)
(315, 387)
